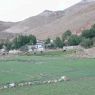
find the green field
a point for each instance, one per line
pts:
(81, 72)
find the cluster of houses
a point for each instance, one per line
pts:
(33, 49)
(39, 47)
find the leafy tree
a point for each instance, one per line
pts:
(93, 26)
(74, 40)
(47, 41)
(58, 42)
(66, 35)
(8, 45)
(85, 33)
(1, 45)
(21, 41)
(32, 39)
(86, 43)
(93, 41)
(89, 33)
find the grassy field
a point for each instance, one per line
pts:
(49, 66)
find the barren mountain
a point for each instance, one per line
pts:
(40, 20)
(5, 25)
(53, 23)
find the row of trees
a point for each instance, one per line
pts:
(86, 39)
(19, 41)
(67, 39)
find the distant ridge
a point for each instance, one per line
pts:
(53, 23)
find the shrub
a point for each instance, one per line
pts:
(47, 41)
(58, 42)
(66, 35)
(74, 40)
(88, 33)
(86, 43)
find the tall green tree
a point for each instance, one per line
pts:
(66, 35)
(23, 40)
(47, 41)
(32, 39)
(58, 42)
(90, 33)
(74, 40)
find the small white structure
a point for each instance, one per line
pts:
(14, 51)
(67, 48)
(40, 47)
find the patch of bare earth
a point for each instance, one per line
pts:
(85, 53)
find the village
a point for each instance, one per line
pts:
(39, 47)
(47, 47)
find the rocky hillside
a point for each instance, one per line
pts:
(53, 23)
(5, 25)
(34, 22)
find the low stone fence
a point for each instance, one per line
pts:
(29, 83)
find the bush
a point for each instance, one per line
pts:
(74, 40)
(93, 41)
(86, 43)
(47, 41)
(23, 40)
(20, 41)
(66, 35)
(58, 42)
(1, 45)
(88, 33)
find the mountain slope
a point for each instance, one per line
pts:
(76, 19)
(5, 25)
(51, 24)
(40, 20)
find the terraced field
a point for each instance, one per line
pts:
(48, 66)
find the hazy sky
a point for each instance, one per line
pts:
(16, 10)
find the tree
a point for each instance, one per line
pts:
(93, 26)
(32, 39)
(1, 45)
(93, 41)
(86, 43)
(47, 41)
(58, 42)
(22, 40)
(90, 33)
(74, 40)
(66, 35)
(8, 45)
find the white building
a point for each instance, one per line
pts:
(67, 48)
(40, 47)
